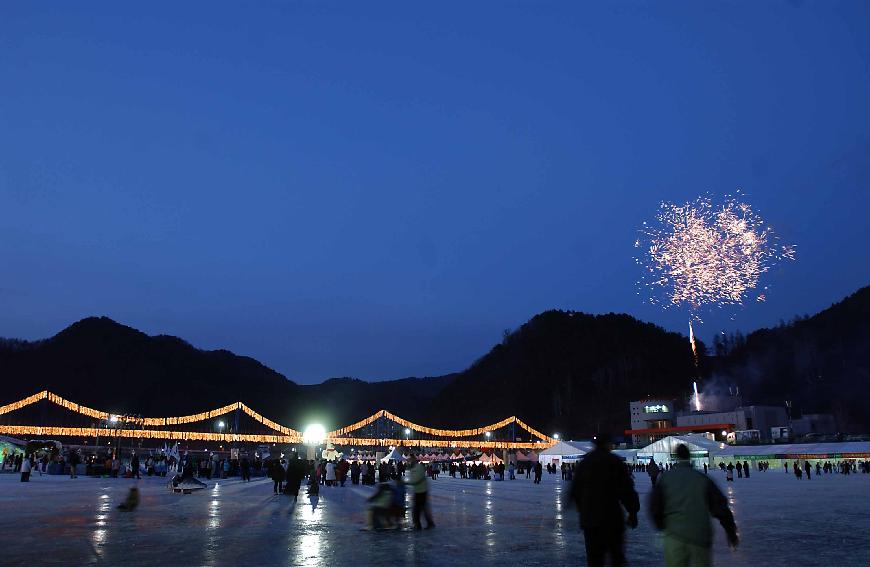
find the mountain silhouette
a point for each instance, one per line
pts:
(562, 371)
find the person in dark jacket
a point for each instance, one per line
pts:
(73, 463)
(277, 475)
(681, 504)
(538, 470)
(134, 465)
(602, 487)
(295, 472)
(652, 469)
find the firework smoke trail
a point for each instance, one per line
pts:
(692, 342)
(695, 356)
(702, 254)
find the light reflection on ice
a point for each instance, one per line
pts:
(311, 542)
(558, 532)
(488, 506)
(214, 522)
(488, 518)
(214, 514)
(98, 538)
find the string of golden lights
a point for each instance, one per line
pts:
(95, 432)
(440, 432)
(288, 435)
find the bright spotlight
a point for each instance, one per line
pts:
(555, 435)
(724, 432)
(113, 418)
(407, 431)
(221, 425)
(314, 434)
(488, 434)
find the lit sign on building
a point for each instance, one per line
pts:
(655, 409)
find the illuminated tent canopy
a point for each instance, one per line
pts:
(565, 452)
(394, 455)
(664, 450)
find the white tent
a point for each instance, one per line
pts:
(664, 450)
(565, 452)
(394, 455)
(628, 455)
(796, 451)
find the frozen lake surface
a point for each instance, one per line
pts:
(61, 521)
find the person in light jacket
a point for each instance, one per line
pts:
(681, 505)
(25, 469)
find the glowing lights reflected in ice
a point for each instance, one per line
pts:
(212, 525)
(559, 533)
(489, 518)
(99, 535)
(487, 523)
(310, 544)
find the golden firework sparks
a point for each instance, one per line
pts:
(702, 254)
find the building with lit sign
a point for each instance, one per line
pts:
(650, 414)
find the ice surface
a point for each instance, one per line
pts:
(63, 521)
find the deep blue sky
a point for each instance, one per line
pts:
(378, 190)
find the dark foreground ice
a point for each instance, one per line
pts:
(62, 521)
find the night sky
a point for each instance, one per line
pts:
(379, 190)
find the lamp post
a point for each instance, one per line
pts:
(313, 436)
(113, 420)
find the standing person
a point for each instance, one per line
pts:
(529, 470)
(511, 469)
(354, 472)
(116, 466)
(295, 472)
(245, 467)
(25, 469)
(745, 469)
(73, 462)
(681, 505)
(538, 470)
(705, 468)
(277, 475)
(330, 473)
(134, 464)
(342, 469)
(807, 468)
(418, 482)
(601, 489)
(652, 469)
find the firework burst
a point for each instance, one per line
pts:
(703, 254)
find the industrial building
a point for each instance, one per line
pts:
(761, 418)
